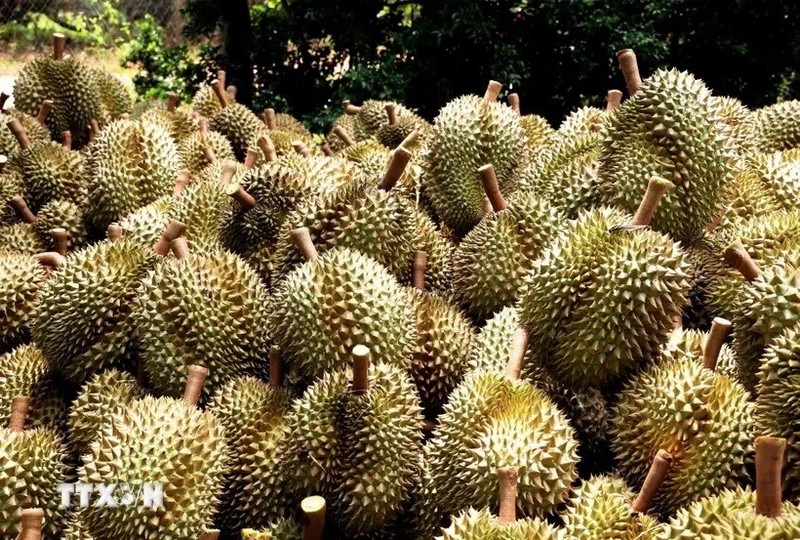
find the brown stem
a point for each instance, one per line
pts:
(114, 232)
(313, 517)
(194, 384)
(44, 110)
(275, 368)
(267, 148)
(418, 270)
(613, 100)
(172, 101)
(182, 180)
(237, 192)
(66, 139)
(60, 240)
(340, 132)
(519, 346)
(19, 412)
(492, 91)
(208, 152)
(736, 257)
(326, 149)
(31, 523)
(59, 42)
(391, 113)
(180, 248)
(250, 158)
(94, 129)
(769, 461)
(716, 338)
(655, 476)
(301, 238)
(270, 118)
(231, 91)
(300, 148)
(410, 140)
(19, 133)
(202, 124)
(20, 207)
(513, 102)
(209, 534)
(228, 171)
(492, 187)
(360, 384)
(507, 496)
(350, 109)
(630, 70)
(51, 259)
(222, 77)
(397, 165)
(3, 98)
(173, 230)
(656, 188)
(219, 91)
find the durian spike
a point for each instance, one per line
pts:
(3, 98)
(492, 187)
(519, 346)
(300, 148)
(411, 139)
(301, 238)
(202, 124)
(313, 517)
(114, 232)
(360, 383)
(391, 113)
(326, 149)
(656, 188)
(182, 180)
(19, 413)
(769, 461)
(267, 148)
(44, 110)
(66, 139)
(208, 153)
(180, 248)
(60, 240)
(209, 534)
(19, 133)
(31, 523)
(275, 368)
(397, 165)
(125, 116)
(172, 101)
(737, 257)
(231, 91)
(492, 91)
(237, 192)
(228, 171)
(507, 495)
(20, 207)
(350, 109)
(716, 337)
(513, 101)
(655, 476)
(3, 161)
(51, 259)
(222, 77)
(94, 129)
(173, 230)
(418, 270)
(250, 158)
(613, 100)
(343, 135)
(59, 41)
(194, 384)
(630, 70)
(270, 119)
(219, 91)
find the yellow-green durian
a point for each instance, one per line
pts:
(777, 127)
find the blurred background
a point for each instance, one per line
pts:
(305, 56)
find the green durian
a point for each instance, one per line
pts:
(200, 207)
(347, 124)
(64, 214)
(76, 530)
(472, 524)
(538, 131)
(37, 132)
(689, 344)
(240, 126)
(282, 529)
(20, 238)
(196, 149)
(206, 103)
(21, 279)
(145, 225)
(777, 127)
(739, 121)
(115, 98)
(582, 122)
(179, 123)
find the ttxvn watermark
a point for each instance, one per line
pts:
(146, 495)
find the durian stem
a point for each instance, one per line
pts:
(655, 476)
(313, 517)
(59, 42)
(182, 180)
(492, 91)
(20, 207)
(180, 248)
(19, 133)
(208, 153)
(51, 259)
(391, 113)
(397, 165)
(114, 232)
(275, 368)
(270, 119)
(194, 384)
(231, 91)
(44, 110)
(60, 240)
(343, 135)
(326, 149)
(410, 140)
(227, 172)
(301, 238)
(418, 270)
(209, 534)
(19, 413)
(31, 523)
(237, 192)
(630, 70)
(519, 347)
(202, 124)
(492, 187)
(361, 358)
(769, 461)
(250, 158)
(656, 188)
(172, 101)
(3, 98)
(613, 100)
(222, 77)
(94, 129)
(507, 495)
(350, 109)
(219, 91)
(267, 148)
(513, 102)
(300, 148)
(736, 256)
(173, 230)
(716, 338)
(66, 139)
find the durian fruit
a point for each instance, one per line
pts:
(469, 132)
(21, 278)
(159, 441)
(102, 396)
(669, 128)
(115, 98)
(328, 173)
(740, 122)
(690, 344)
(325, 307)
(76, 530)
(740, 514)
(64, 214)
(69, 84)
(779, 176)
(145, 225)
(285, 122)
(32, 467)
(313, 508)
(179, 123)
(199, 307)
(776, 126)
(199, 206)
(205, 101)
(20, 237)
(355, 438)
(601, 300)
(493, 258)
(582, 122)
(287, 134)
(537, 129)
(11, 184)
(33, 126)
(81, 321)
(474, 524)
(135, 163)
(202, 148)
(398, 127)
(702, 418)
(237, 123)
(371, 115)
(342, 133)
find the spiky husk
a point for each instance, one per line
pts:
(200, 207)
(115, 98)
(206, 103)
(76, 530)
(66, 215)
(37, 133)
(538, 131)
(739, 121)
(777, 126)
(472, 524)
(145, 225)
(11, 185)
(327, 173)
(240, 126)
(50, 171)
(20, 238)
(21, 278)
(178, 123)
(582, 122)
(191, 152)
(282, 529)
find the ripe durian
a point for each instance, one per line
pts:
(582, 122)
(179, 123)
(33, 126)
(398, 127)
(76, 530)
(538, 131)
(777, 127)
(739, 121)
(20, 238)
(115, 98)
(342, 133)
(202, 148)
(469, 132)
(21, 278)
(205, 101)
(199, 206)
(145, 225)
(313, 509)
(237, 123)
(64, 214)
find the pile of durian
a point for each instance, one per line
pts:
(476, 328)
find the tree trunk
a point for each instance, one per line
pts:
(237, 44)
